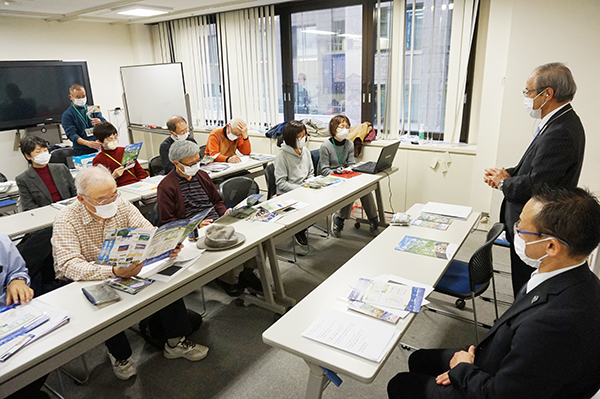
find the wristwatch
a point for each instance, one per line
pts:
(501, 185)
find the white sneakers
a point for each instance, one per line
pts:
(187, 349)
(123, 369)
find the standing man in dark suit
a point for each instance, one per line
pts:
(43, 183)
(554, 157)
(546, 345)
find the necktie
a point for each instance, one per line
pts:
(537, 131)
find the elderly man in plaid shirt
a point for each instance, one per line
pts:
(79, 231)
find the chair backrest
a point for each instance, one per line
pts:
(155, 166)
(270, 178)
(202, 151)
(235, 190)
(154, 216)
(314, 154)
(481, 265)
(36, 250)
(61, 155)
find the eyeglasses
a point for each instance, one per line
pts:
(105, 201)
(526, 92)
(523, 232)
(189, 165)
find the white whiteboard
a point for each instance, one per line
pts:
(153, 93)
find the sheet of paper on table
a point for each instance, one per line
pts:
(365, 337)
(457, 211)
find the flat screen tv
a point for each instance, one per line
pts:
(34, 93)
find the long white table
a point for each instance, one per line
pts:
(90, 326)
(377, 258)
(322, 202)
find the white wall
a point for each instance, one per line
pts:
(105, 48)
(522, 35)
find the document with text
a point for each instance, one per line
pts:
(368, 338)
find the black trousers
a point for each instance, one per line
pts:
(173, 319)
(419, 382)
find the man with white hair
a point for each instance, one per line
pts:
(79, 232)
(224, 141)
(554, 156)
(187, 191)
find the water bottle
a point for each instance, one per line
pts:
(421, 132)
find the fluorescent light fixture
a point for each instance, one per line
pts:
(142, 12)
(318, 32)
(451, 6)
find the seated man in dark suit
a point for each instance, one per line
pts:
(547, 344)
(43, 183)
(179, 132)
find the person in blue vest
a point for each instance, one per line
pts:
(78, 124)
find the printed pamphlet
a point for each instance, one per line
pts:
(122, 247)
(386, 294)
(433, 221)
(322, 181)
(373, 311)
(131, 153)
(422, 246)
(131, 285)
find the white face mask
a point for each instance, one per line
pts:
(301, 143)
(106, 211)
(110, 145)
(520, 246)
(42, 158)
(80, 102)
(180, 137)
(232, 137)
(191, 170)
(534, 113)
(342, 133)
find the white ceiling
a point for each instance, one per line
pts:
(106, 11)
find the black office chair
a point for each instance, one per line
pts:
(155, 166)
(235, 190)
(470, 280)
(314, 154)
(202, 151)
(62, 155)
(270, 178)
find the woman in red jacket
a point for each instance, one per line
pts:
(112, 155)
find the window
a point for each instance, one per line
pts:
(427, 51)
(326, 62)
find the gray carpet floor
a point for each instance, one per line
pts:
(240, 365)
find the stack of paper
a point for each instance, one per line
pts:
(392, 295)
(26, 323)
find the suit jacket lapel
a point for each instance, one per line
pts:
(539, 295)
(536, 139)
(37, 181)
(54, 172)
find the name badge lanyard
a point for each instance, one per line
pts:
(85, 120)
(338, 154)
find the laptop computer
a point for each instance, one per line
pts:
(386, 157)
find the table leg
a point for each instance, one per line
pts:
(274, 263)
(380, 209)
(268, 302)
(316, 382)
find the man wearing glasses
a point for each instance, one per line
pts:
(179, 131)
(546, 344)
(79, 232)
(554, 157)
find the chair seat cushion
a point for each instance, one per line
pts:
(456, 280)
